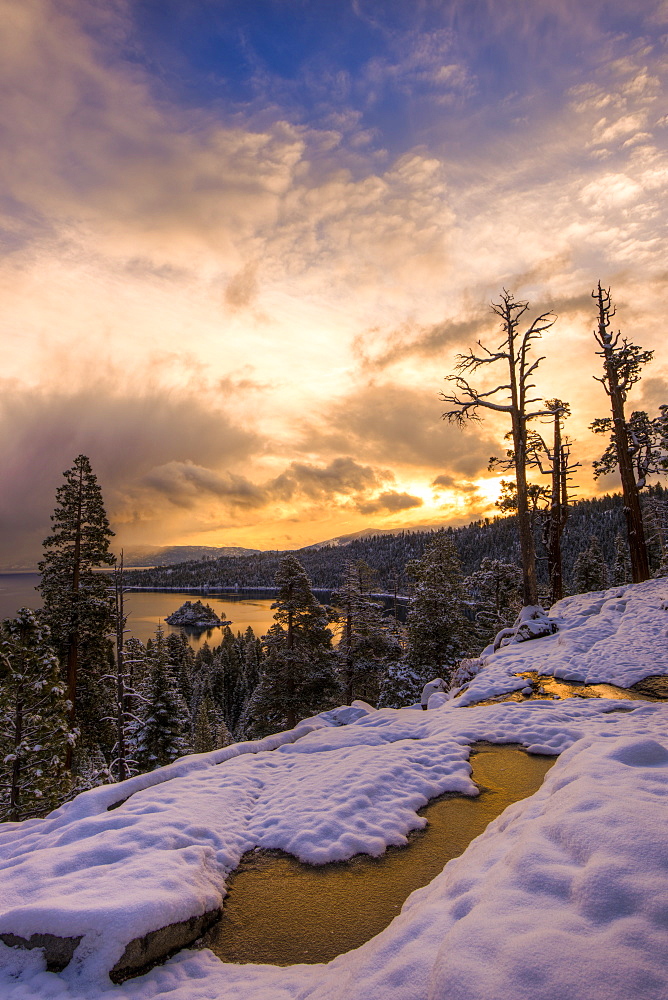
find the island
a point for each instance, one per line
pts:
(197, 615)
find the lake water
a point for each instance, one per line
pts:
(146, 609)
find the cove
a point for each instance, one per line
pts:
(282, 912)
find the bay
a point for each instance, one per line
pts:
(146, 609)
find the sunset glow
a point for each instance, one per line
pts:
(244, 243)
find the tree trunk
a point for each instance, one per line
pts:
(349, 663)
(527, 547)
(291, 715)
(120, 677)
(632, 512)
(558, 502)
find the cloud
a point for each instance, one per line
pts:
(390, 502)
(342, 477)
(238, 271)
(425, 342)
(402, 427)
(444, 481)
(184, 484)
(141, 446)
(242, 289)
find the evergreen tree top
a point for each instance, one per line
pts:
(80, 527)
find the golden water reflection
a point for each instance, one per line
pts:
(282, 912)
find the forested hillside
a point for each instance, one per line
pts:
(387, 554)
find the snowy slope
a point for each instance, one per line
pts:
(564, 896)
(617, 636)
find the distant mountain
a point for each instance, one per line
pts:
(365, 533)
(170, 555)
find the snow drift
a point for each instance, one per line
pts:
(564, 895)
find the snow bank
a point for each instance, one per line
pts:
(162, 856)
(615, 636)
(563, 895)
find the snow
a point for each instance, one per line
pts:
(615, 636)
(564, 895)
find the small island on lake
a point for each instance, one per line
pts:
(196, 615)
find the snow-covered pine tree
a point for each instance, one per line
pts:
(297, 676)
(209, 729)
(164, 732)
(182, 657)
(252, 659)
(496, 597)
(34, 727)
(78, 607)
(590, 571)
(439, 634)
(122, 765)
(655, 516)
(621, 569)
(224, 667)
(401, 685)
(367, 645)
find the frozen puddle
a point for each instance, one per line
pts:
(282, 912)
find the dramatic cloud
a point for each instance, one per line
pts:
(342, 477)
(139, 446)
(239, 265)
(390, 502)
(402, 427)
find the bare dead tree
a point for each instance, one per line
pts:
(513, 352)
(548, 506)
(560, 469)
(622, 364)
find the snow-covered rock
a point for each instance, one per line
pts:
(437, 686)
(615, 636)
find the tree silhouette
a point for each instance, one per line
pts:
(622, 365)
(77, 602)
(513, 353)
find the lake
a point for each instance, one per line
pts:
(146, 609)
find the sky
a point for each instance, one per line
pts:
(243, 242)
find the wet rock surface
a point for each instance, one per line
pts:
(655, 687)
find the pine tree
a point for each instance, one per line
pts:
(225, 668)
(182, 657)
(252, 659)
(34, 728)
(297, 676)
(495, 594)
(590, 571)
(78, 607)
(209, 729)
(401, 686)
(439, 634)
(164, 732)
(367, 645)
(621, 570)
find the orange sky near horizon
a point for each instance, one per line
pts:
(244, 245)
